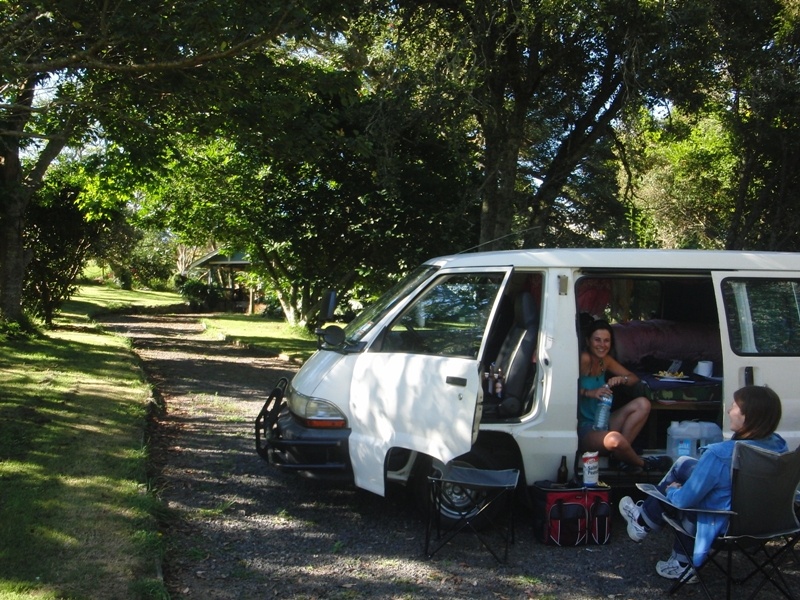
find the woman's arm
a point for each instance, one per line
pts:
(621, 375)
(585, 363)
(710, 473)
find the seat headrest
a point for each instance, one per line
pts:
(525, 312)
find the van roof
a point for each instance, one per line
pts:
(627, 258)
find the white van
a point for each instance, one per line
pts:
(404, 388)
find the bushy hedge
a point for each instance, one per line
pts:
(199, 295)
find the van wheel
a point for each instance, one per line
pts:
(455, 499)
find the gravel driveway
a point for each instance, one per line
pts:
(236, 528)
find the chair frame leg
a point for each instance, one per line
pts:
(679, 583)
(770, 569)
(465, 521)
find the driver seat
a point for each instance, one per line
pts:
(515, 357)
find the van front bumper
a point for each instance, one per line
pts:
(286, 443)
(295, 447)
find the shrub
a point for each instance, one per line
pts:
(17, 330)
(200, 295)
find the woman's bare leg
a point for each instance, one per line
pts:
(630, 419)
(611, 441)
(625, 424)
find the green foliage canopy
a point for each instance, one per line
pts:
(309, 188)
(73, 72)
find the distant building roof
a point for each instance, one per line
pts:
(217, 259)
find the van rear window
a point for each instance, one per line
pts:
(763, 316)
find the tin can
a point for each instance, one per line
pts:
(591, 468)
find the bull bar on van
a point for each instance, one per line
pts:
(289, 445)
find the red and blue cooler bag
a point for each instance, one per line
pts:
(571, 516)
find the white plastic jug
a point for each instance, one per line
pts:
(710, 433)
(685, 438)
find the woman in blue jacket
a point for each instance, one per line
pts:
(706, 483)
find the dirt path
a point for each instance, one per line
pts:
(236, 528)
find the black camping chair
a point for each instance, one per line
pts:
(467, 494)
(763, 525)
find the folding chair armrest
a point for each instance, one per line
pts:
(652, 490)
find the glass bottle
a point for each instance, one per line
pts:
(563, 472)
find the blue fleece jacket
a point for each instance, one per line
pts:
(709, 486)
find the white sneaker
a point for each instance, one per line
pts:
(630, 511)
(672, 569)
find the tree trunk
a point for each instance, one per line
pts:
(510, 80)
(497, 198)
(13, 257)
(16, 190)
(14, 200)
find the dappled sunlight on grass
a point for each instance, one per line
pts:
(104, 296)
(75, 352)
(72, 464)
(94, 299)
(74, 492)
(273, 336)
(17, 469)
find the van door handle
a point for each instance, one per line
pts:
(462, 381)
(748, 376)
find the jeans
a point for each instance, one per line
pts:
(653, 509)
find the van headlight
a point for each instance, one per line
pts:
(315, 413)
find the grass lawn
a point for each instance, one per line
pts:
(269, 334)
(255, 330)
(92, 300)
(75, 509)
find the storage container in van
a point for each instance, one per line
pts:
(412, 382)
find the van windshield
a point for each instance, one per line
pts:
(358, 327)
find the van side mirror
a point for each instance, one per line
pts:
(332, 335)
(327, 306)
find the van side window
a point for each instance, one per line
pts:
(448, 319)
(763, 316)
(658, 319)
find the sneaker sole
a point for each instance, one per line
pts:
(633, 534)
(690, 580)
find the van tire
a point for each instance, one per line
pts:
(476, 458)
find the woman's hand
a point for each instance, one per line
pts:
(598, 393)
(617, 380)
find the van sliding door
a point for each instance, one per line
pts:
(759, 315)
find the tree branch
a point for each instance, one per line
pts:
(88, 59)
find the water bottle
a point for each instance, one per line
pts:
(603, 410)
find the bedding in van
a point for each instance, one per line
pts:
(636, 343)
